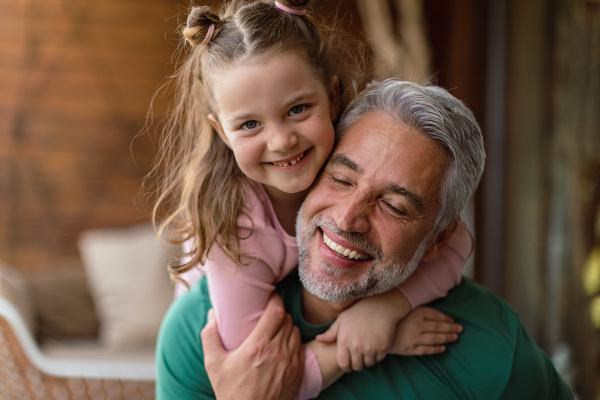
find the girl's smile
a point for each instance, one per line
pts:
(296, 160)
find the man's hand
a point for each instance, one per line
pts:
(268, 365)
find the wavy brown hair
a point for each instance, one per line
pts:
(199, 192)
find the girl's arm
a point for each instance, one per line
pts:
(239, 296)
(432, 280)
(365, 331)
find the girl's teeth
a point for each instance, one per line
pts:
(352, 254)
(293, 162)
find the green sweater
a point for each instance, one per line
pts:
(494, 358)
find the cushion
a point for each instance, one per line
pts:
(127, 275)
(13, 287)
(64, 306)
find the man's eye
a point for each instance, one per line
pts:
(394, 209)
(249, 125)
(340, 182)
(297, 109)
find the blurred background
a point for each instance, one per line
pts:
(77, 78)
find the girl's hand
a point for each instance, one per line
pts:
(424, 331)
(365, 331)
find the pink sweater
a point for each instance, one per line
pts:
(239, 294)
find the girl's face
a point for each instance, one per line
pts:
(275, 114)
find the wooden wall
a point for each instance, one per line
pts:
(77, 78)
(76, 82)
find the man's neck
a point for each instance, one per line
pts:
(317, 311)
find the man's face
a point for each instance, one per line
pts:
(366, 223)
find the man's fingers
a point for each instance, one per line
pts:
(271, 319)
(294, 341)
(211, 341)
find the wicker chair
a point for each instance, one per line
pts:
(26, 373)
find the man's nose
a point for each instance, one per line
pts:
(281, 139)
(351, 214)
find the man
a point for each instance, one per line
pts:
(407, 161)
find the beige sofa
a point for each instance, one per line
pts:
(86, 329)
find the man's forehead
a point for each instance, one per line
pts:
(377, 127)
(391, 154)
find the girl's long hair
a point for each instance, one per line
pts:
(198, 195)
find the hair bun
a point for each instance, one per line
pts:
(198, 25)
(296, 4)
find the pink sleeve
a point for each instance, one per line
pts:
(192, 276)
(432, 280)
(239, 295)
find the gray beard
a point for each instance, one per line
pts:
(380, 278)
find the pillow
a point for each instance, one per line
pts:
(128, 279)
(64, 306)
(13, 287)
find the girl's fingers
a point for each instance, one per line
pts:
(330, 335)
(357, 363)
(432, 339)
(431, 314)
(343, 358)
(427, 350)
(369, 359)
(442, 327)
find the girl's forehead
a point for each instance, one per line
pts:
(290, 67)
(295, 60)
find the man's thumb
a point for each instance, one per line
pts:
(211, 341)
(330, 335)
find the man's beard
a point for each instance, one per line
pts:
(380, 278)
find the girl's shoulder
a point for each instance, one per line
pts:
(257, 210)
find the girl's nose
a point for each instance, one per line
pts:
(281, 140)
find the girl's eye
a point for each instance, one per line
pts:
(297, 109)
(249, 125)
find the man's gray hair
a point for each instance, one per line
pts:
(434, 112)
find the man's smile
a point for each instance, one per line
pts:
(343, 251)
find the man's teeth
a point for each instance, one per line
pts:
(352, 254)
(287, 164)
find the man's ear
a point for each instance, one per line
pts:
(439, 241)
(334, 97)
(214, 121)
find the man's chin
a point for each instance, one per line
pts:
(332, 287)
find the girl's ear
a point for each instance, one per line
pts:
(214, 121)
(334, 96)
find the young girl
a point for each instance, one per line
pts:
(252, 126)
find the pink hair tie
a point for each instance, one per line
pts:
(209, 33)
(288, 9)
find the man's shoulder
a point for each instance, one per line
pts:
(473, 304)
(179, 358)
(494, 352)
(487, 362)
